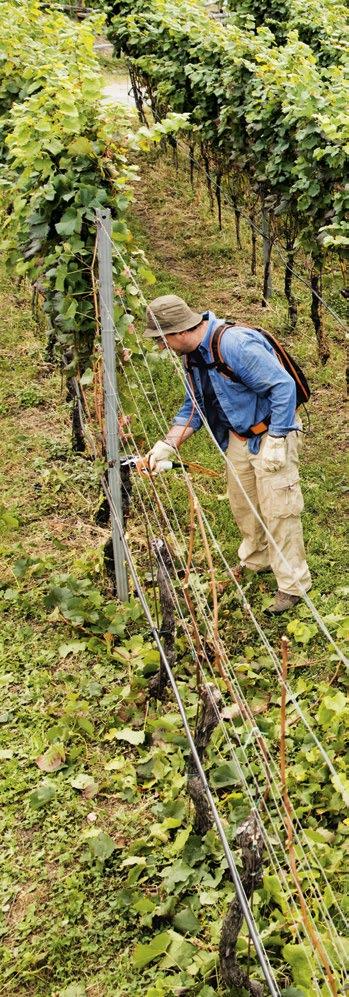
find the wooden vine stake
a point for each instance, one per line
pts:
(267, 248)
(316, 310)
(78, 413)
(310, 930)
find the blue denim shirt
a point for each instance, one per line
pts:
(266, 389)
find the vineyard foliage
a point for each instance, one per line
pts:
(107, 888)
(270, 119)
(322, 27)
(65, 157)
(270, 115)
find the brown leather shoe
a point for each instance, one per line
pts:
(239, 572)
(282, 603)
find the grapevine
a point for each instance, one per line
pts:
(269, 118)
(65, 157)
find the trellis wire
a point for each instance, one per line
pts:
(276, 662)
(302, 591)
(240, 771)
(253, 803)
(240, 695)
(111, 240)
(263, 959)
(269, 647)
(144, 428)
(335, 940)
(190, 487)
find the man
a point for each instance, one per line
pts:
(266, 462)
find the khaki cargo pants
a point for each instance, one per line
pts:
(278, 498)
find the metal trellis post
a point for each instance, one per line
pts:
(105, 266)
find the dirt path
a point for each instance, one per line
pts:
(119, 92)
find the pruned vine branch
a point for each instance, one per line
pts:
(249, 838)
(208, 719)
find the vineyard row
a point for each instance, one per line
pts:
(268, 120)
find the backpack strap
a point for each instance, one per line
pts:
(284, 357)
(222, 368)
(216, 354)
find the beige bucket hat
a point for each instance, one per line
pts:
(172, 314)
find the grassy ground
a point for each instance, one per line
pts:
(97, 852)
(59, 914)
(189, 256)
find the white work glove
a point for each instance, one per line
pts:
(160, 457)
(273, 457)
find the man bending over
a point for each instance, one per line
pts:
(264, 457)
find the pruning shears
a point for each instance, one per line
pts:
(140, 464)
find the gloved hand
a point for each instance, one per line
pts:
(159, 456)
(273, 456)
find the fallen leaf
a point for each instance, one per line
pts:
(130, 735)
(85, 784)
(42, 795)
(74, 647)
(52, 760)
(100, 844)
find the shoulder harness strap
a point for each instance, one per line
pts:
(217, 355)
(258, 428)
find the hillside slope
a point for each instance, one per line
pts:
(99, 852)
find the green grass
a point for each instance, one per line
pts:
(60, 917)
(72, 914)
(172, 223)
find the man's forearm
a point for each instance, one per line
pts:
(178, 435)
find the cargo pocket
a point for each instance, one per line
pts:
(280, 495)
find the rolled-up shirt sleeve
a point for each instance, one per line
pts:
(260, 370)
(188, 413)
